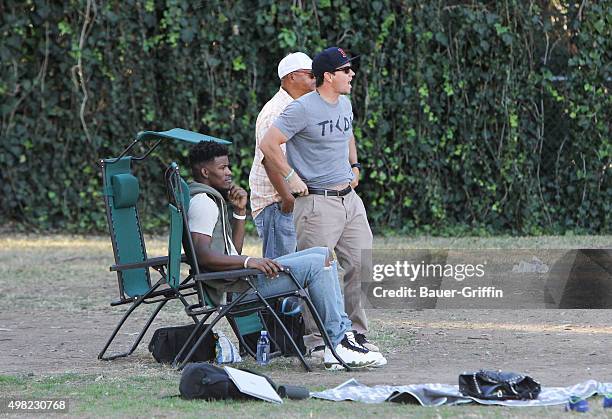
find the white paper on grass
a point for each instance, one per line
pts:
(253, 385)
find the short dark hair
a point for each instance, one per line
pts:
(203, 152)
(320, 78)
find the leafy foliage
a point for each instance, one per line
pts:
(471, 116)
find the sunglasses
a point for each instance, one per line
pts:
(308, 73)
(346, 70)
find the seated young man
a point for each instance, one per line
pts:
(218, 246)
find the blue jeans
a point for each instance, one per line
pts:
(308, 268)
(277, 231)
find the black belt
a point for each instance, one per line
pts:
(330, 192)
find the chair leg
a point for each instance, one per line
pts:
(315, 315)
(144, 330)
(195, 346)
(319, 323)
(222, 313)
(122, 321)
(186, 304)
(286, 332)
(192, 335)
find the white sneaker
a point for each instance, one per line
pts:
(353, 354)
(361, 339)
(381, 361)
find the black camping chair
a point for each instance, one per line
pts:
(245, 305)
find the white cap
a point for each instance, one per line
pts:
(293, 62)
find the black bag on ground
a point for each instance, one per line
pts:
(498, 385)
(201, 380)
(206, 381)
(168, 341)
(279, 342)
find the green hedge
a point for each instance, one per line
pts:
(471, 116)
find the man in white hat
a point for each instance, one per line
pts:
(272, 210)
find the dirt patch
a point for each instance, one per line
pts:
(55, 318)
(421, 346)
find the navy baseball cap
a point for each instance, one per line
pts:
(329, 60)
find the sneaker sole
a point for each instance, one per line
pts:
(380, 363)
(339, 367)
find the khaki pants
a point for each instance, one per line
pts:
(341, 224)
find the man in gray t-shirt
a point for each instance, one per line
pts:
(318, 135)
(322, 169)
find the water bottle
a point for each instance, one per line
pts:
(263, 349)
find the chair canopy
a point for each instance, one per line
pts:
(178, 134)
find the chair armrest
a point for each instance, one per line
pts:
(148, 263)
(237, 273)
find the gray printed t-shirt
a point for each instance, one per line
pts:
(317, 139)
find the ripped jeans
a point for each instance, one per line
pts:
(308, 268)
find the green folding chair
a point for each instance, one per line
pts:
(243, 311)
(133, 266)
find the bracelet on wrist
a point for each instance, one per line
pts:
(246, 261)
(239, 217)
(289, 175)
(357, 165)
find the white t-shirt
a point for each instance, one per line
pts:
(203, 216)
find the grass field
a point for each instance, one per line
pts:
(156, 396)
(54, 294)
